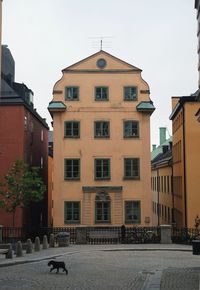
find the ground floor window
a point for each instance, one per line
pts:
(72, 212)
(102, 208)
(132, 212)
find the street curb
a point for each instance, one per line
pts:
(35, 260)
(13, 263)
(148, 249)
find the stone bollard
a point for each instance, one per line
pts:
(52, 241)
(29, 247)
(37, 244)
(19, 252)
(45, 242)
(165, 234)
(9, 254)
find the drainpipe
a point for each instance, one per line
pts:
(172, 192)
(184, 162)
(158, 193)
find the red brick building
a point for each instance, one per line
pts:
(23, 136)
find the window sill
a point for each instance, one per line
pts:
(72, 179)
(101, 137)
(71, 137)
(132, 222)
(102, 179)
(130, 100)
(72, 222)
(131, 137)
(71, 100)
(102, 222)
(104, 100)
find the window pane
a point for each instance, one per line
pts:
(130, 93)
(72, 129)
(72, 93)
(132, 211)
(101, 93)
(102, 168)
(103, 211)
(101, 129)
(72, 212)
(131, 168)
(131, 129)
(72, 168)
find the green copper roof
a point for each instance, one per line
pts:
(145, 106)
(56, 105)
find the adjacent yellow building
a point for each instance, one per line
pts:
(101, 118)
(162, 181)
(186, 160)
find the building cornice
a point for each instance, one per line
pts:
(102, 188)
(180, 104)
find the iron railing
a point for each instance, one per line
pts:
(185, 235)
(13, 234)
(103, 235)
(94, 235)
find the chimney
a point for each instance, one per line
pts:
(165, 148)
(162, 135)
(153, 147)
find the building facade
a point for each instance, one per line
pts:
(24, 136)
(186, 160)
(162, 187)
(197, 7)
(101, 118)
(162, 180)
(0, 34)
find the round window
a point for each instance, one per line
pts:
(101, 63)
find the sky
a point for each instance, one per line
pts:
(158, 36)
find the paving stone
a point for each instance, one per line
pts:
(104, 268)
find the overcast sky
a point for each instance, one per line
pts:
(158, 36)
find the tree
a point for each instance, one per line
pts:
(22, 186)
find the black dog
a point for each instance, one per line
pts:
(57, 265)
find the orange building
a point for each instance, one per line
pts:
(161, 181)
(162, 188)
(186, 160)
(101, 117)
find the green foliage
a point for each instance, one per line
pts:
(21, 187)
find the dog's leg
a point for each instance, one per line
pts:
(65, 270)
(51, 269)
(57, 271)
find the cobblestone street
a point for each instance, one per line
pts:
(97, 268)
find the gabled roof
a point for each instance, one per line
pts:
(159, 149)
(101, 53)
(162, 159)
